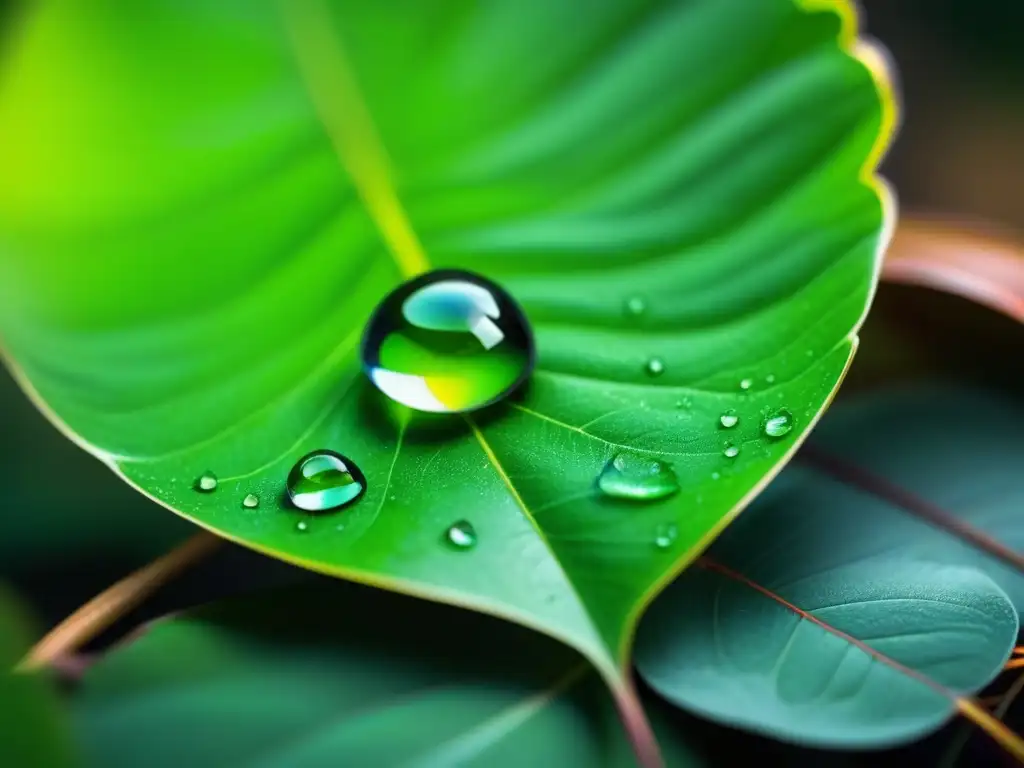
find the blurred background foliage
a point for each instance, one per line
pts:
(69, 527)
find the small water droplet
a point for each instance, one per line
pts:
(715, 475)
(655, 366)
(251, 501)
(302, 526)
(730, 451)
(635, 306)
(770, 378)
(746, 384)
(628, 476)
(462, 535)
(809, 353)
(779, 424)
(324, 480)
(685, 404)
(665, 534)
(729, 419)
(206, 482)
(448, 341)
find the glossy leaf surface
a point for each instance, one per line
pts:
(205, 203)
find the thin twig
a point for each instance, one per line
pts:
(104, 609)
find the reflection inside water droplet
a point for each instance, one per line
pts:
(206, 482)
(779, 424)
(462, 535)
(665, 534)
(448, 342)
(630, 476)
(655, 366)
(324, 480)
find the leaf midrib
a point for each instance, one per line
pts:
(345, 119)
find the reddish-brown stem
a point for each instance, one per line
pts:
(1002, 735)
(879, 486)
(634, 720)
(100, 612)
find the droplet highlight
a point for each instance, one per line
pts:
(206, 482)
(731, 450)
(779, 424)
(251, 501)
(461, 535)
(655, 367)
(635, 306)
(448, 341)
(665, 535)
(729, 419)
(640, 478)
(324, 480)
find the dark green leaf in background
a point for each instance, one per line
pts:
(33, 731)
(197, 219)
(342, 676)
(849, 558)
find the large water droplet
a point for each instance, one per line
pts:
(655, 366)
(206, 482)
(629, 476)
(729, 419)
(462, 535)
(779, 424)
(730, 451)
(635, 306)
(665, 534)
(324, 480)
(448, 342)
(251, 501)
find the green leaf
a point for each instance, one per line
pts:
(849, 558)
(199, 217)
(348, 676)
(33, 731)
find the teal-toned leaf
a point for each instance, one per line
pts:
(33, 731)
(206, 201)
(855, 561)
(957, 449)
(348, 676)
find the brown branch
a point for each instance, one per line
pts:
(104, 609)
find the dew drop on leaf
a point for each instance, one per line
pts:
(746, 384)
(302, 526)
(324, 480)
(206, 482)
(635, 306)
(448, 341)
(628, 476)
(655, 367)
(665, 534)
(462, 535)
(729, 419)
(731, 451)
(779, 424)
(770, 378)
(251, 501)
